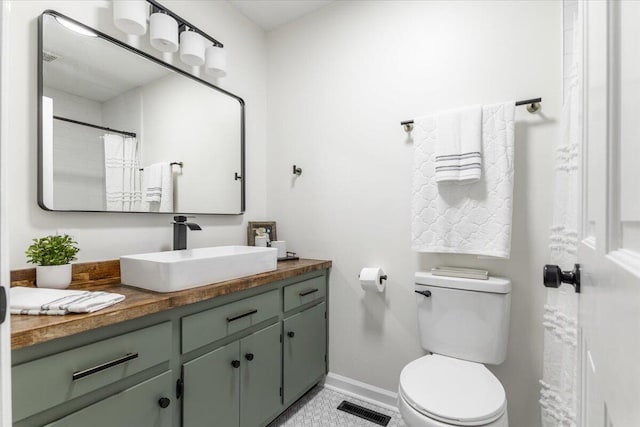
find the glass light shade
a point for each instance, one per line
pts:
(130, 16)
(163, 32)
(192, 47)
(216, 61)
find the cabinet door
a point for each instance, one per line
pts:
(136, 406)
(211, 389)
(305, 344)
(261, 371)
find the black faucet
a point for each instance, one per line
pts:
(180, 225)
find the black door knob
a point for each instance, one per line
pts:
(164, 402)
(249, 356)
(291, 334)
(235, 363)
(553, 276)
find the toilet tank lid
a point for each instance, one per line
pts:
(498, 285)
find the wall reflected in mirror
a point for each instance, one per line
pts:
(122, 132)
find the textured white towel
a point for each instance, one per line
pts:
(459, 145)
(466, 219)
(158, 187)
(41, 301)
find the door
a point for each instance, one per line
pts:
(211, 388)
(305, 349)
(609, 248)
(260, 376)
(5, 333)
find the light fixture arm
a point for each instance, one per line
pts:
(182, 23)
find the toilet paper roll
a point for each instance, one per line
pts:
(370, 279)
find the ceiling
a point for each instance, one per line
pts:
(270, 14)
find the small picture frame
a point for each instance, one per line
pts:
(268, 226)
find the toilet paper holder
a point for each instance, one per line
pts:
(382, 277)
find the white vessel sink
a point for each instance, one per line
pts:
(177, 270)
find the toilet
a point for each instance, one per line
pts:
(464, 323)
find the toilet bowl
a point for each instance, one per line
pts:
(464, 323)
(440, 391)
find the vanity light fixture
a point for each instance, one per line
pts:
(75, 27)
(192, 48)
(169, 32)
(216, 61)
(130, 16)
(163, 32)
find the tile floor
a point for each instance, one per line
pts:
(317, 408)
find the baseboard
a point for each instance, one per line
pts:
(363, 391)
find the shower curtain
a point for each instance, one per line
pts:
(122, 175)
(559, 392)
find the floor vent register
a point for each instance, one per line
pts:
(364, 413)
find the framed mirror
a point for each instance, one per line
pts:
(121, 131)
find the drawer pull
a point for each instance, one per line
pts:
(86, 372)
(240, 316)
(308, 292)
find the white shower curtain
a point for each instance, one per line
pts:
(122, 175)
(559, 392)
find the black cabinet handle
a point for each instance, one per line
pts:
(425, 293)
(307, 292)
(86, 372)
(241, 315)
(249, 356)
(164, 402)
(235, 364)
(291, 334)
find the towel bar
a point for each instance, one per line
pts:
(533, 105)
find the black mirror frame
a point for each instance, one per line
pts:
(40, 92)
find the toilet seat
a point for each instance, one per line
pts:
(453, 391)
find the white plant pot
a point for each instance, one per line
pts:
(53, 276)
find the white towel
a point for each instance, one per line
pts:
(153, 183)
(41, 301)
(459, 145)
(158, 187)
(466, 219)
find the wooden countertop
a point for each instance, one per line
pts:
(28, 330)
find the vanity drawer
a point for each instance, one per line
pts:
(44, 383)
(208, 326)
(304, 292)
(135, 406)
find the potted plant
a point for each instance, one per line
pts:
(52, 256)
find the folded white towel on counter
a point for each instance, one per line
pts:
(459, 145)
(466, 219)
(42, 301)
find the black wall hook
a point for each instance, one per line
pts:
(553, 277)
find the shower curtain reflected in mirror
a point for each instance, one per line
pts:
(122, 174)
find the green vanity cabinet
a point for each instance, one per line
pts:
(236, 360)
(235, 385)
(305, 350)
(148, 404)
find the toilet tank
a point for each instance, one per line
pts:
(464, 318)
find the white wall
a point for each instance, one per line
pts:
(78, 153)
(340, 81)
(107, 236)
